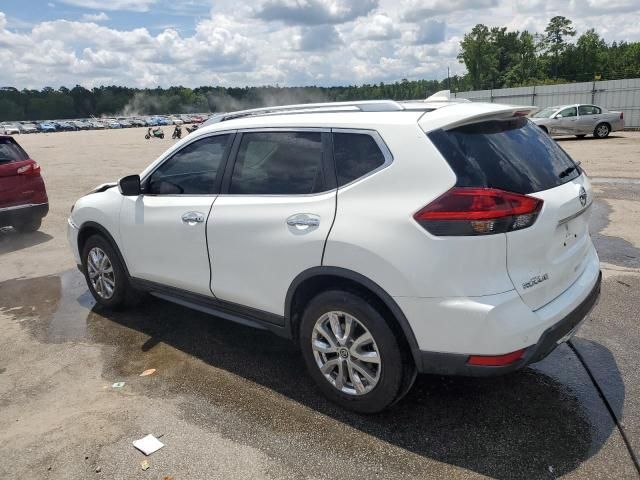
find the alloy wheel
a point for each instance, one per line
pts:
(603, 131)
(346, 353)
(101, 273)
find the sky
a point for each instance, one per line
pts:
(150, 43)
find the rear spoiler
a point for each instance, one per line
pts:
(456, 115)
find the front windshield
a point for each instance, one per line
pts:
(545, 112)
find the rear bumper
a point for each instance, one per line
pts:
(456, 364)
(11, 215)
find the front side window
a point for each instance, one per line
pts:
(192, 170)
(278, 163)
(356, 155)
(568, 112)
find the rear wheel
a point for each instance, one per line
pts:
(28, 225)
(352, 353)
(602, 130)
(105, 274)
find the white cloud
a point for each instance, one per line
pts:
(376, 27)
(126, 5)
(95, 17)
(313, 12)
(288, 42)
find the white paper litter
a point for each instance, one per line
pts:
(148, 444)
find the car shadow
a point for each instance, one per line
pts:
(12, 241)
(583, 139)
(515, 426)
(541, 422)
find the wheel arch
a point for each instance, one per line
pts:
(91, 228)
(318, 279)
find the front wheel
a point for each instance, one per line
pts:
(602, 130)
(105, 274)
(162, 136)
(352, 353)
(147, 136)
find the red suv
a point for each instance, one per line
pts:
(23, 197)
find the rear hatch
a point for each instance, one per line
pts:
(20, 180)
(513, 155)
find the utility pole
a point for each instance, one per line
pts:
(448, 79)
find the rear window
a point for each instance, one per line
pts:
(10, 151)
(356, 155)
(513, 155)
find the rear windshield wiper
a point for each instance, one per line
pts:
(567, 171)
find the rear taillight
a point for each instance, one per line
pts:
(30, 169)
(478, 211)
(621, 115)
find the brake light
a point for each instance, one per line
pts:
(621, 115)
(29, 169)
(478, 211)
(496, 360)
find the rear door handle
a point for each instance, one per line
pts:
(303, 221)
(191, 218)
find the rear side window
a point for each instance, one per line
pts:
(278, 163)
(513, 155)
(589, 110)
(356, 154)
(10, 151)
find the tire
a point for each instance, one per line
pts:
(392, 376)
(581, 136)
(122, 295)
(162, 136)
(147, 136)
(28, 225)
(602, 130)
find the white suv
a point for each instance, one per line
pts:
(384, 238)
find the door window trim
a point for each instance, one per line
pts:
(328, 169)
(172, 153)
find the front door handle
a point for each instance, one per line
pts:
(191, 218)
(303, 221)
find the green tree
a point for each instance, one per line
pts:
(557, 30)
(479, 56)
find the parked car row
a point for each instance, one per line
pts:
(15, 128)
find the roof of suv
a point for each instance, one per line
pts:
(429, 115)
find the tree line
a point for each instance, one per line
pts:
(493, 57)
(498, 58)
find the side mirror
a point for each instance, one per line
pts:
(130, 185)
(558, 116)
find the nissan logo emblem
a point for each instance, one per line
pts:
(583, 196)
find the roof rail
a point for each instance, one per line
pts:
(357, 106)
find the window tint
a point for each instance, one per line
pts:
(356, 154)
(10, 151)
(278, 163)
(515, 155)
(588, 110)
(568, 112)
(192, 170)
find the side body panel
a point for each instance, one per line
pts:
(375, 234)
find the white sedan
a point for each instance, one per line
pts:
(579, 120)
